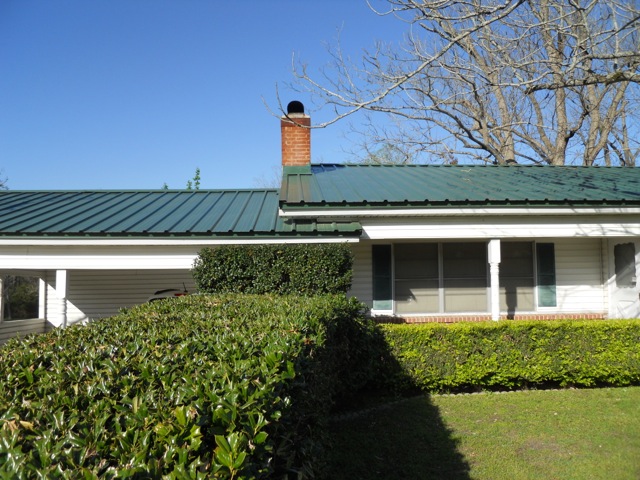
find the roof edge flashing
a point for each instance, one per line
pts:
(297, 170)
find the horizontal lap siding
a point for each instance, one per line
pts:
(361, 284)
(579, 279)
(98, 294)
(13, 328)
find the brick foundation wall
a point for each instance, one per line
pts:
(485, 318)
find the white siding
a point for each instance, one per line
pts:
(579, 275)
(361, 284)
(13, 328)
(99, 294)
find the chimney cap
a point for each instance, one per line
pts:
(295, 107)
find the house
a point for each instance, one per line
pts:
(430, 242)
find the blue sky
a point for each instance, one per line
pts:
(132, 94)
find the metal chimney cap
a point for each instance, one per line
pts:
(295, 107)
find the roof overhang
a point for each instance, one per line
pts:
(159, 242)
(334, 212)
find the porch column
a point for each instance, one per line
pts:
(61, 290)
(42, 298)
(494, 269)
(1, 299)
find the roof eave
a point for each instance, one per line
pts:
(361, 211)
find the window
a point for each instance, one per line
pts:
(516, 277)
(422, 278)
(417, 278)
(434, 278)
(464, 273)
(19, 297)
(624, 257)
(382, 287)
(546, 270)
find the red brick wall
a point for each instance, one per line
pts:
(296, 141)
(484, 318)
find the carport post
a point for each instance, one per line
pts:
(1, 299)
(61, 290)
(494, 269)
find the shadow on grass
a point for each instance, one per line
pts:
(378, 438)
(405, 439)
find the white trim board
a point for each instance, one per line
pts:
(62, 241)
(505, 228)
(341, 212)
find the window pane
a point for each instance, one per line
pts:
(516, 294)
(516, 259)
(516, 277)
(381, 257)
(465, 295)
(416, 260)
(546, 263)
(464, 260)
(464, 268)
(20, 297)
(416, 272)
(624, 256)
(417, 296)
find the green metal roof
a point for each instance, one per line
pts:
(377, 186)
(207, 213)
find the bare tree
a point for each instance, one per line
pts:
(498, 81)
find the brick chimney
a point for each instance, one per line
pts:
(296, 137)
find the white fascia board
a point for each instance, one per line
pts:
(159, 242)
(503, 227)
(341, 213)
(74, 254)
(96, 262)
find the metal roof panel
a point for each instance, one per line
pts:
(151, 213)
(425, 185)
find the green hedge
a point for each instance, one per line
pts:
(228, 386)
(434, 357)
(304, 269)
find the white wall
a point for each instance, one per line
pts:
(361, 284)
(579, 275)
(13, 328)
(94, 294)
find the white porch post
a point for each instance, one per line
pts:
(61, 290)
(494, 269)
(1, 299)
(42, 298)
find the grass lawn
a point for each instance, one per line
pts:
(566, 434)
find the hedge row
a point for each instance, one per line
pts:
(228, 386)
(457, 357)
(304, 269)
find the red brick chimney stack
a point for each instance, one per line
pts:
(296, 136)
